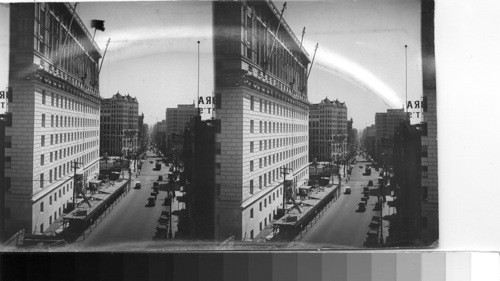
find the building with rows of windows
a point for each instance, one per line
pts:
(177, 120)
(263, 110)
(53, 114)
(328, 131)
(119, 126)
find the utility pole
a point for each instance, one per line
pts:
(284, 171)
(75, 167)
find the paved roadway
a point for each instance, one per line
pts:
(130, 220)
(341, 225)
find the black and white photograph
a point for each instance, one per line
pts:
(219, 126)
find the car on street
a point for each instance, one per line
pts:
(151, 201)
(347, 190)
(361, 206)
(370, 183)
(137, 185)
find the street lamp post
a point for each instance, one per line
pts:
(285, 171)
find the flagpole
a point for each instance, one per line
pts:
(406, 76)
(198, 101)
(103, 56)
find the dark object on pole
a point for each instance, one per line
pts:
(97, 24)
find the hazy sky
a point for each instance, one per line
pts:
(360, 60)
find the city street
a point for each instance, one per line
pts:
(131, 220)
(341, 225)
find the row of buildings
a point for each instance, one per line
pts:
(411, 151)
(56, 124)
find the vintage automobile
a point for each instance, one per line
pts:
(361, 206)
(151, 201)
(347, 190)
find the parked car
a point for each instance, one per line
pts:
(137, 185)
(151, 201)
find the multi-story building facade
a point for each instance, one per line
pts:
(119, 125)
(262, 107)
(53, 114)
(387, 122)
(177, 120)
(328, 131)
(430, 218)
(385, 126)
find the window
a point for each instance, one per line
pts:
(260, 226)
(251, 213)
(52, 120)
(251, 126)
(260, 127)
(260, 162)
(8, 141)
(251, 146)
(425, 192)
(52, 99)
(260, 105)
(43, 120)
(260, 206)
(43, 96)
(42, 141)
(424, 171)
(251, 103)
(251, 166)
(41, 228)
(7, 184)
(260, 182)
(51, 139)
(41, 207)
(260, 145)
(424, 151)
(42, 159)
(41, 180)
(251, 187)
(217, 148)
(251, 234)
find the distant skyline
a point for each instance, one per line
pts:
(360, 60)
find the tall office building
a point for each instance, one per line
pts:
(52, 122)
(385, 126)
(387, 122)
(328, 131)
(430, 220)
(119, 125)
(261, 102)
(177, 120)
